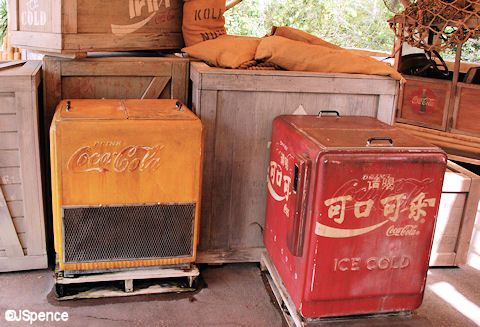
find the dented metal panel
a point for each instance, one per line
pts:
(362, 217)
(117, 162)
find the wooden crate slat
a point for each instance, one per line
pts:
(237, 109)
(282, 81)
(469, 215)
(20, 224)
(10, 176)
(8, 140)
(23, 263)
(28, 130)
(69, 26)
(7, 103)
(8, 235)
(8, 123)
(230, 255)
(155, 88)
(448, 222)
(16, 208)
(457, 211)
(108, 87)
(20, 173)
(116, 66)
(12, 192)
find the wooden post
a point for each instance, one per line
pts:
(453, 90)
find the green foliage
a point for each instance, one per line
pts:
(3, 20)
(348, 23)
(470, 51)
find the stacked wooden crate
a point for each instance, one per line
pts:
(237, 108)
(80, 26)
(22, 231)
(65, 32)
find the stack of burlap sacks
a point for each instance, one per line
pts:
(288, 48)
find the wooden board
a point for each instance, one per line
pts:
(456, 216)
(466, 116)
(135, 282)
(424, 102)
(294, 319)
(113, 78)
(107, 76)
(459, 147)
(66, 26)
(237, 109)
(22, 230)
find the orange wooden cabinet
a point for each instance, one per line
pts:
(126, 178)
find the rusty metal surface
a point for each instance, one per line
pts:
(115, 153)
(371, 202)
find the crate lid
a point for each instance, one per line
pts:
(354, 132)
(131, 109)
(19, 67)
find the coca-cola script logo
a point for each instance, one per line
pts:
(423, 101)
(128, 159)
(357, 200)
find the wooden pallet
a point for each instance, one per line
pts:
(115, 284)
(294, 319)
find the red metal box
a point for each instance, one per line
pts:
(351, 209)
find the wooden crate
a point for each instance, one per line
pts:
(237, 109)
(22, 227)
(72, 26)
(424, 102)
(464, 148)
(456, 216)
(113, 78)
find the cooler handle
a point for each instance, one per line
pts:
(320, 114)
(301, 183)
(370, 140)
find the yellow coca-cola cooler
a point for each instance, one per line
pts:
(126, 177)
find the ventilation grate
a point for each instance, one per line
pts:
(128, 232)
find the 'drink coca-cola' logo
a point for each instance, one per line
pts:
(383, 197)
(130, 158)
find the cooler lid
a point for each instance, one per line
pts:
(353, 132)
(131, 109)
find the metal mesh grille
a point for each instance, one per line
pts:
(128, 232)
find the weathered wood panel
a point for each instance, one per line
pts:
(7, 103)
(112, 78)
(456, 216)
(237, 109)
(70, 26)
(8, 140)
(22, 230)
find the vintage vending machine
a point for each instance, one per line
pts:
(351, 210)
(126, 184)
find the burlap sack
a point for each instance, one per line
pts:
(298, 35)
(202, 20)
(229, 51)
(301, 56)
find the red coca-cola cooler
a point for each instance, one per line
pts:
(351, 210)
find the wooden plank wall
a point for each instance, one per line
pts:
(237, 109)
(22, 231)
